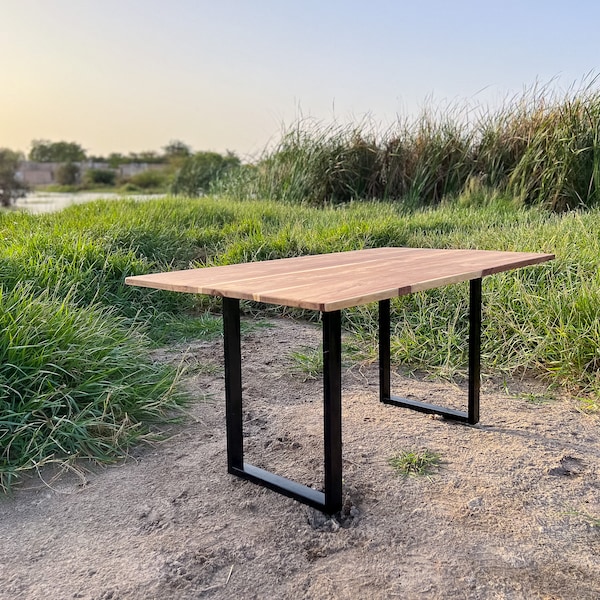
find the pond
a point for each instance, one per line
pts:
(45, 202)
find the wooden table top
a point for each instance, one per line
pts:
(328, 282)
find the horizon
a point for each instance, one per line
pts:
(130, 77)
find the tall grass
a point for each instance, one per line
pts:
(560, 167)
(314, 165)
(542, 147)
(74, 382)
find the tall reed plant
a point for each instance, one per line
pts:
(541, 147)
(560, 167)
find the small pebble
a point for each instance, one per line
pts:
(475, 503)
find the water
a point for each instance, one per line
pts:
(45, 202)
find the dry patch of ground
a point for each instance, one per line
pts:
(512, 511)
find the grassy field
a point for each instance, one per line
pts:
(75, 378)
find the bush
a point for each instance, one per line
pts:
(11, 187)
(67, 174)
(150, 179)
(100, 177)
(200, 171)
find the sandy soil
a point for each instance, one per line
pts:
(512, 512)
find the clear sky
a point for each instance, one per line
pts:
(131, 75)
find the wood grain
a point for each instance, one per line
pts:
(328, 282)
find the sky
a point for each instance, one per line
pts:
(133, 75)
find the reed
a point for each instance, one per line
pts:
(541, 147)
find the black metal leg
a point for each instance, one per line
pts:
(474, 350)
(472, 414)
(233, 384)
(331, 500)
(384, 351)
(332, 409)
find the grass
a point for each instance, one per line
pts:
(541, 318)
(537, 399)
(75, 383)
(307, 362)
(590, 404)
(72, 331)
(415, 462)
(169, 328)
(591, 520)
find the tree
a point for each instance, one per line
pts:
(177, 149)
(147, 156)
(11, 187)
(116, 159)
(45, 151)
(200, 170)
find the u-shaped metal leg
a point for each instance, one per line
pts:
(471, 416)
(329, 501)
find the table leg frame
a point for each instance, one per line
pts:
(330, 500)
(471, 416)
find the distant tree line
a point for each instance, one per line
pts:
(64, 152)
(178, 169)
(45, 151)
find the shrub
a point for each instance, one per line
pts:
(67, 174)
(149, 179)
(11, 187)
(100, 177)
(200, 171)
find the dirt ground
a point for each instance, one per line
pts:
(512, 512)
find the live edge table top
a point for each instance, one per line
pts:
(328, 282)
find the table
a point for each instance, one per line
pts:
(329, 283)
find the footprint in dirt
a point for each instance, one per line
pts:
(569, 467)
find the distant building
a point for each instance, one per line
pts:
(35, 173)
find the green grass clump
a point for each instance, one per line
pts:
(307, 362)
(74, 383)
(414, 462)
(537, 399)
(560, 167)
(152, 180)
